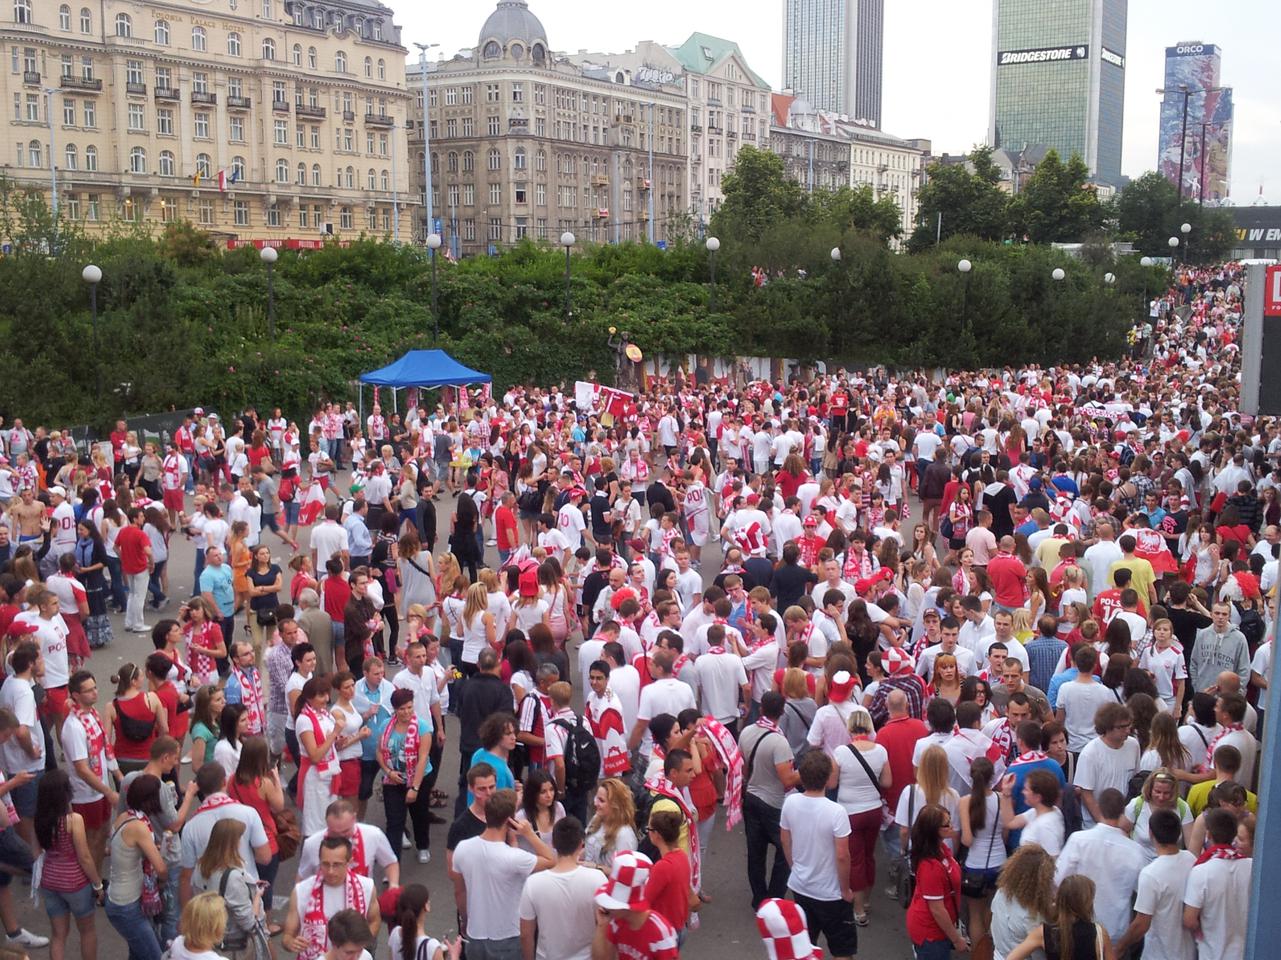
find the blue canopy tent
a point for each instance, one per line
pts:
(421, 368)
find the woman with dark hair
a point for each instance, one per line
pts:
(403, 756)
(539, 806)
(936, 898)
(519, 665)
(545, 650)
(137, 870)
(263, 583)
(980, 692)
(383, 567)
(462, 535)
(318, 767)
(70, 881)
(91, 565)
(983, 836)
(561, 616)
(256, 784)
(135, 718)
(233, 727)
(408, 939)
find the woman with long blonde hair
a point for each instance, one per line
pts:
(478, 625)
(931, 788)
(612, 829)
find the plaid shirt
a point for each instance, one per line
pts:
(279, 666)
(913, 688)
(1043, 655)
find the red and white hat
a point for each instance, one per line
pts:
(898, 661)
(625, 888)
(784, 931)
(840, 686)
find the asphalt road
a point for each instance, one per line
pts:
(728, 929)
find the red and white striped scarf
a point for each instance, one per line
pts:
(330, 763)
(1219, 851)
(315, 925)
(251, 697)
(408, 750)
(1214, 743)
(731, 758)
(97, 739)
(666, 789)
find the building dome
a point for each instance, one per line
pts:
(801, 115)
(513, 29)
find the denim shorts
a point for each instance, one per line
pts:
(24, 797)
(81, 903)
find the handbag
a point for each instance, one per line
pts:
(906, 875)
(974, 885)
(131, 728)
(288, 833)
(233, 939)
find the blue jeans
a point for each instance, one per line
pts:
(200, 566)
(135, 929)
(118, 582)
(191, 471)
(153, 584)
(934, 950)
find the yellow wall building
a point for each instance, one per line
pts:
(279, 121)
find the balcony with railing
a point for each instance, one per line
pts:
(204, 96)
(349, 116)
(31, 78)
(166, 93)
(72, 82)
(239, 103)
(307, 110)
(136, 88)
(280, 106)
(379, 120)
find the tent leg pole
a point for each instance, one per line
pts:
(360, 400)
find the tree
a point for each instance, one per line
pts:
(1148, 214)
(968, 197)
(1057, 204)
(859, 209)
(757, 195)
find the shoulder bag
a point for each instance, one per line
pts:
(973, 884)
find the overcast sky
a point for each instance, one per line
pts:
(937, 60)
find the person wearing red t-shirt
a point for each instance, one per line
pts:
(625, 925)
(1008, 576)
(668, 891)
(898, 737)
(134, 549)
(506, 532)
(936, 899)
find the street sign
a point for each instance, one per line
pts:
(661, 244)
(1272, 292)
(435, 226)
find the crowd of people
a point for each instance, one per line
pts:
(710, 604)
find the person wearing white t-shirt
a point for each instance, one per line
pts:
(557, 912)
(1108, 761)
(722, 679)
(62, 523)
(335, 888)
(1110, 858)
(1216, 902)
(489, 877)
(570, 522)
(1080, 698)
(1158, 901)
(665, 694)
(51, 635)
(814, 833)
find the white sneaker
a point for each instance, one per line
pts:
(27, 939)
(424, 856)
(404, 842)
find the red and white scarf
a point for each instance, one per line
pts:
(214, 802)
(329, 765)
(97, 740)
(315, 925)
(1219, 851)
(203, 666)
(731, 758)
(666, 789)
(766, 724)
(1214, 743)
(251, 697)
(408, 750)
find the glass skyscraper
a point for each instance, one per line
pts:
(833, 55)
(1058, 79)
(1195, 66)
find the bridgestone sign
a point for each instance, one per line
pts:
(1007, 58)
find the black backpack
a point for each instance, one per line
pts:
(1252, 627)
(582, 756)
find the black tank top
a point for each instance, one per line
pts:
(1084, 941)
